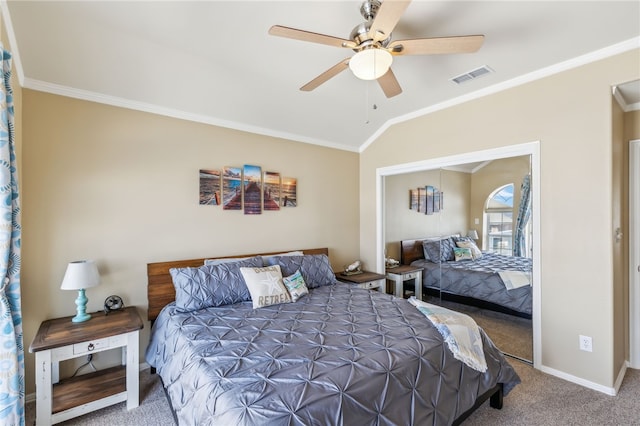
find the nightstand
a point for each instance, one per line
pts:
(60, 339)
(404, 273)
(368, 280)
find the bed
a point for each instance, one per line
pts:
(339, 355)
(492, 281)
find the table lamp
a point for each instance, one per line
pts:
(80, 275)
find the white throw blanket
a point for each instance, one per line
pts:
(460, 331)
(515, 279)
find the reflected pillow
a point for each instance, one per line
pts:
(265, 285)
(440, 250)
(211, 285)
(462, 254)
(296, 286)
(475, 251)
(314, 268)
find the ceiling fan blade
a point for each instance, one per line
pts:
(280, 31)
(437, 45)
(386, 18)
(330, 73)
(389, 84)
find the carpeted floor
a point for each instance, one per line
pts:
(539, 400)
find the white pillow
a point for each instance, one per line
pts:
(296, 285)
(265, 286)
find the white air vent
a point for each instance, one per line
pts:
(471, 75)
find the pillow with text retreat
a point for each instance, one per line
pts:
(462, 254)
(439, 250)
(211, 285)
(296, 286)
(265, 285)
(475, 251)
(314, 268)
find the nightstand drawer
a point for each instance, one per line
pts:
(99, 344)
(409, 276)
(369, 285)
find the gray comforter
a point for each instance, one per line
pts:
(479, 279)
(338, 356)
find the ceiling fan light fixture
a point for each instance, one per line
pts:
(370, 64)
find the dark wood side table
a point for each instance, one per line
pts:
(366, 280)
(60, 339)
(404, 273)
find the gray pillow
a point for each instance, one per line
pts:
(440, 250)
(314, 268)
(211, 285)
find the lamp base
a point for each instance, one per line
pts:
(81, 310)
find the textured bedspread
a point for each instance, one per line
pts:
(338, 356)
(479, 279)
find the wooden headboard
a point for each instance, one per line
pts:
(410, 250)
(160, 290)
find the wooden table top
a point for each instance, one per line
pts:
(364, 277)
(403, 269)
(59, 332)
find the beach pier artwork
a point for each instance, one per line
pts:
(252, 184)
(232, 188)
(271, 195)
(210, 187)
(289, 192)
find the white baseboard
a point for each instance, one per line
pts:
(613, 391)
(30, 397)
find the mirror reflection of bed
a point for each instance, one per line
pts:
(490, 279)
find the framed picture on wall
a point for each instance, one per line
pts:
(232, 188)
(436, 200)
(209, 187)
(252, 188)
(271, 199)
(289, 192)
(413, 199)
(429, 202)
(422, 200)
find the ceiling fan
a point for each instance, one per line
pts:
(371, 40)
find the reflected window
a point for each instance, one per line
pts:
(498, 221)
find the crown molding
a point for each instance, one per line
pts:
(588, 58)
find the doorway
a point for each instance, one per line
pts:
(532, 149)
(634, 253)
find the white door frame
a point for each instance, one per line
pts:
(634, 253)
(530, 148)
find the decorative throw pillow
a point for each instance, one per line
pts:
(211, 285)
(462, 254)
(314, 268)
(265, 285)
(296, 286)
(438, 251)
(475, 251)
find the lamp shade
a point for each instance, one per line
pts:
(370, 64)
(473, 234)
(80, 274)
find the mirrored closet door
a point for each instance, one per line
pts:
(477, 218)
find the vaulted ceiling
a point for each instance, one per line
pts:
(214, 61)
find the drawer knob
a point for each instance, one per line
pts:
(90, 347)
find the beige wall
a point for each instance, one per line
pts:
(570, 114)
(121, 187)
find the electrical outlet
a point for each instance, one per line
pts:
(586, 344)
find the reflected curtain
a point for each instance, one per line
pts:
(524, 213)
(11, 346)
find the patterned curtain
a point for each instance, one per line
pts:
(524, 213)
(11, 347)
